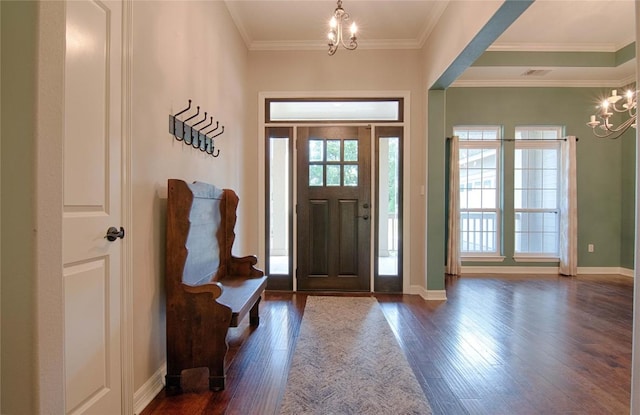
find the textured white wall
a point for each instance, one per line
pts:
(348, 71)
(181, 50)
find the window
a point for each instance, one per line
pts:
(479, 190)
(339, 110)
(339, 163)
(536, 191)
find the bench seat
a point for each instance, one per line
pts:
(240, 295)
(208, 289)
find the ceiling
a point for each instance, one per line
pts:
(594, 29)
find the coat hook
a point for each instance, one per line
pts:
(192, 128)
(198, 135)
(205, 137)
(184, 110)
(175, 119)
(209, 132)
(206, 126)
(220, 133)
(184, 123)
(208, 145)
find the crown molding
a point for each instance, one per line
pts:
(537, 83)
(438, 10)
(235, 16)
(554, 47)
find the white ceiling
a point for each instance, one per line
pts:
(547, 25)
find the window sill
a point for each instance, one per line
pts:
(536, 259)
(496, 258)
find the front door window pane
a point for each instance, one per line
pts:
(333, 150)
(316, 175)
(351, 175)
(316, 150)
(333, 175)
(350, 150)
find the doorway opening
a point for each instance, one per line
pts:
(333, 194)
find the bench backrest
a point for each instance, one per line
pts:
(200, 232)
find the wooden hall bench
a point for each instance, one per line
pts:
(208, 289)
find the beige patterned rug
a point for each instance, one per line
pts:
(347, 361)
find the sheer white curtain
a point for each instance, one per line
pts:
(568, 208)
(454, 264)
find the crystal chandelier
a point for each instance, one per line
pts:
(336, 38)
(609, 107)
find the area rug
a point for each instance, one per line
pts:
(347, 361)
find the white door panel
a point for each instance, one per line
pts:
(92, 204)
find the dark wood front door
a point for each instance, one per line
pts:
(334, 208)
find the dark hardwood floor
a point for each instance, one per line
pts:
(499, 345)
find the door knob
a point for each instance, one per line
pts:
(113, 233)
(365, 217)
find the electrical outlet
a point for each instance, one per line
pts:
(591, 248)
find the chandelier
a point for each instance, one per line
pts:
(609, 107)
(336, 38)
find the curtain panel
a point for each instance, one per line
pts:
(568, 208)
(454, 263)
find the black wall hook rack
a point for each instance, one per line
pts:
(198, 138)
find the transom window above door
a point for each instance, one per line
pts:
(333, 162)
(339, 110)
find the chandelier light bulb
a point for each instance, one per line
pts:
(336, 37)
(629, 96)
(603, 117)
(614, 97)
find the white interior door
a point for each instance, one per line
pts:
(92, 204)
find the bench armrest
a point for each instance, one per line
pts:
(213, 288)
(244, 266)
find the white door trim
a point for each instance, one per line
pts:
(127, 213)
(406, 176)
(49, 324)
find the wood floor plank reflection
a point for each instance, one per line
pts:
(498, 345)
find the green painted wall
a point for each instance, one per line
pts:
(18, 78)
(606, 168)
(436, 220)
(628, 189)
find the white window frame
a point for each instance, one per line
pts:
(538, 144)
(488, 144)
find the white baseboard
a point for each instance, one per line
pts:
(429, 295)
(436, 295)
(626, 272)
(545, 270)
(143, 396)
(508, 270)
